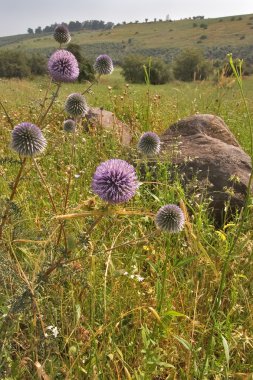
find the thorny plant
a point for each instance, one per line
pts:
(114, 181)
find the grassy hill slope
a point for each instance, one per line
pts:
(215, 36)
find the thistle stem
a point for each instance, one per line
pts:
(7, 115)
(44, 100)
(50, 198)
(55, 95)
(70, 172)
(14, 190)
(164, 275)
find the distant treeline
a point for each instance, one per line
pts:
(74, 26)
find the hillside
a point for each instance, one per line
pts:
(164, 38)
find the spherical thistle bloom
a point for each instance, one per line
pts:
(103, 65)
(63, 66)
(149, 144)
(27, 139)
(61, 34)
(76, 105)
(69, 125)
(115, 181)
(170, 218)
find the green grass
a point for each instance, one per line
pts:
(107, 321)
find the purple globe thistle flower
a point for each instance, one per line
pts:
(63, 66)
(149, 143)
(27, 139)
(61, 34)
(76, 105)
(69, 125)
(115, 181)
(103, 65)
(170, 218)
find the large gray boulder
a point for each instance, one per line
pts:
(203, 149)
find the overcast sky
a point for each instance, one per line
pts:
(18, 15)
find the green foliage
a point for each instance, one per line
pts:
(133, 70)
(203, 25)
(87, 72)
(75, 26)
(16, 64)
(225, 69)
(190, 65)
(37, 63)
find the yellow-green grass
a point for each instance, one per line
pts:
(169, 102)
(108, 319)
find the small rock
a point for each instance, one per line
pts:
(100, 118)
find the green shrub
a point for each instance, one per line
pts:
(133, 70)
(14, 64)
(85, 66)
(190, 65)
(37, 64)
(17, 64)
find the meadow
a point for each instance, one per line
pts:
(113, 297)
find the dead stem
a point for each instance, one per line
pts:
(14, 190)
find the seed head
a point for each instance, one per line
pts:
(103, 65)
(69, 125)
(149, 144)
(170, 218)
(115, 181)
(61, 34)
(63, 66)
(76, 105)
(27, 139)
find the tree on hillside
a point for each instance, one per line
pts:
(49, 29)
(190, 65)
(133, 70)
(85, 66)
(30, 31)
(74, 26)
(38, 30)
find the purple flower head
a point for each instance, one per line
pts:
(115, 181)
(27, 139)
(63, 66)
(103, 65)
(61, 34)
(149, 143)
(69, 125)
(170, 218)
(76, 105)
